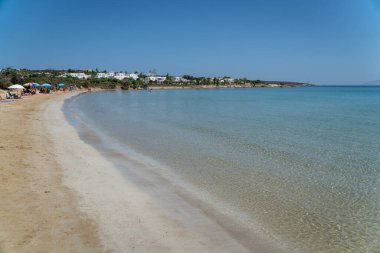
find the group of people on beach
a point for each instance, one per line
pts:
(28, 91)
(10, 95)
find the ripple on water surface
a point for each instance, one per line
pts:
(304, 163)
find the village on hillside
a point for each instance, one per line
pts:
(124, 80)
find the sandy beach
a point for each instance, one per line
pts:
(38, 213)
(60, 194)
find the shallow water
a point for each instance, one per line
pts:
(301, 165)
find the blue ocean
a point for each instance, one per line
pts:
(300, 165)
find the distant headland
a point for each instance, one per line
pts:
(125, 80)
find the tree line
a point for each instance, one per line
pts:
(11, 76)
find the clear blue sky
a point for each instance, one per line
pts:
(320, 41)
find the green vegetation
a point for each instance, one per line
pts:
(11, 76)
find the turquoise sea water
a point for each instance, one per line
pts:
(301, 163)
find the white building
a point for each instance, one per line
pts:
(134, 76)
(105, 75)
(226, 80)
(179, 79)
(120, 76)
(154, 79)
(80, 75)
(76, 75)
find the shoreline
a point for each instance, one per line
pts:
(115, 214)
(158, 220)
(176, 198)
(235, 86)
(201, 87)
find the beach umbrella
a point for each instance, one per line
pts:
(46, 85)
(35, 84)
(28, 85)
(61, 84)
(16, 86)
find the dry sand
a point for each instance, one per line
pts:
(59, 194)
(37, 212)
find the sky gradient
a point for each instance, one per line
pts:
(318, 41)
